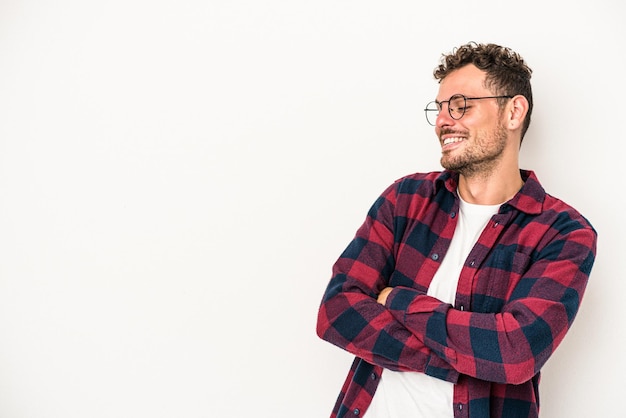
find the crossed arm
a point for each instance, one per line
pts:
(401, 328)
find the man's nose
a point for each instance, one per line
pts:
(444, 118)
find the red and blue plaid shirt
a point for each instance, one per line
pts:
(518, 293)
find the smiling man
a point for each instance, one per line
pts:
(460, 284)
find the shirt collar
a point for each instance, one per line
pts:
(529, 199)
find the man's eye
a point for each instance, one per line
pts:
(458, 109)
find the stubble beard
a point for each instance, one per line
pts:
(478, 158)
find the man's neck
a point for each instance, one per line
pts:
(491, 188)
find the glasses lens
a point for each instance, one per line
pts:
(457, 106)
(432, 111)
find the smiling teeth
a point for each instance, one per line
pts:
(451, 140)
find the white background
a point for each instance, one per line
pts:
(177, 178)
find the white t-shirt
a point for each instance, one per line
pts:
(417, 395)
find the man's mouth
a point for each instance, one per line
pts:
(452, 140)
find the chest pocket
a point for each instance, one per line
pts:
(496, 280)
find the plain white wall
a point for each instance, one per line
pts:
(177, 178)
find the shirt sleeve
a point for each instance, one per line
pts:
(350, 316)
(512, 345)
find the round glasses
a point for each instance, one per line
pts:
(457, 105)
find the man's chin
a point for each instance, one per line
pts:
(451, 165)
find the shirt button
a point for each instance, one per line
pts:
(495, 224)
(452, 214)
(435, 256)
(373, 376)
(472, 263)
(356, 411)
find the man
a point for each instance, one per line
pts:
(460, 284)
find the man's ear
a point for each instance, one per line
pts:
(516, 112)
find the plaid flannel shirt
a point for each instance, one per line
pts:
(518, 293)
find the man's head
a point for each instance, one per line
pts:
(506, 72)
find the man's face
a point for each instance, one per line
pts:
(474, 143)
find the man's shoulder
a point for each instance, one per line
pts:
(426, 175)
(419, 187)
(565, 211)
(429, 179)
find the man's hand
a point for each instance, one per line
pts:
(382, 297)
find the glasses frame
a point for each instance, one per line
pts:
(439, 105)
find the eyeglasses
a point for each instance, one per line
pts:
(457, 105)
